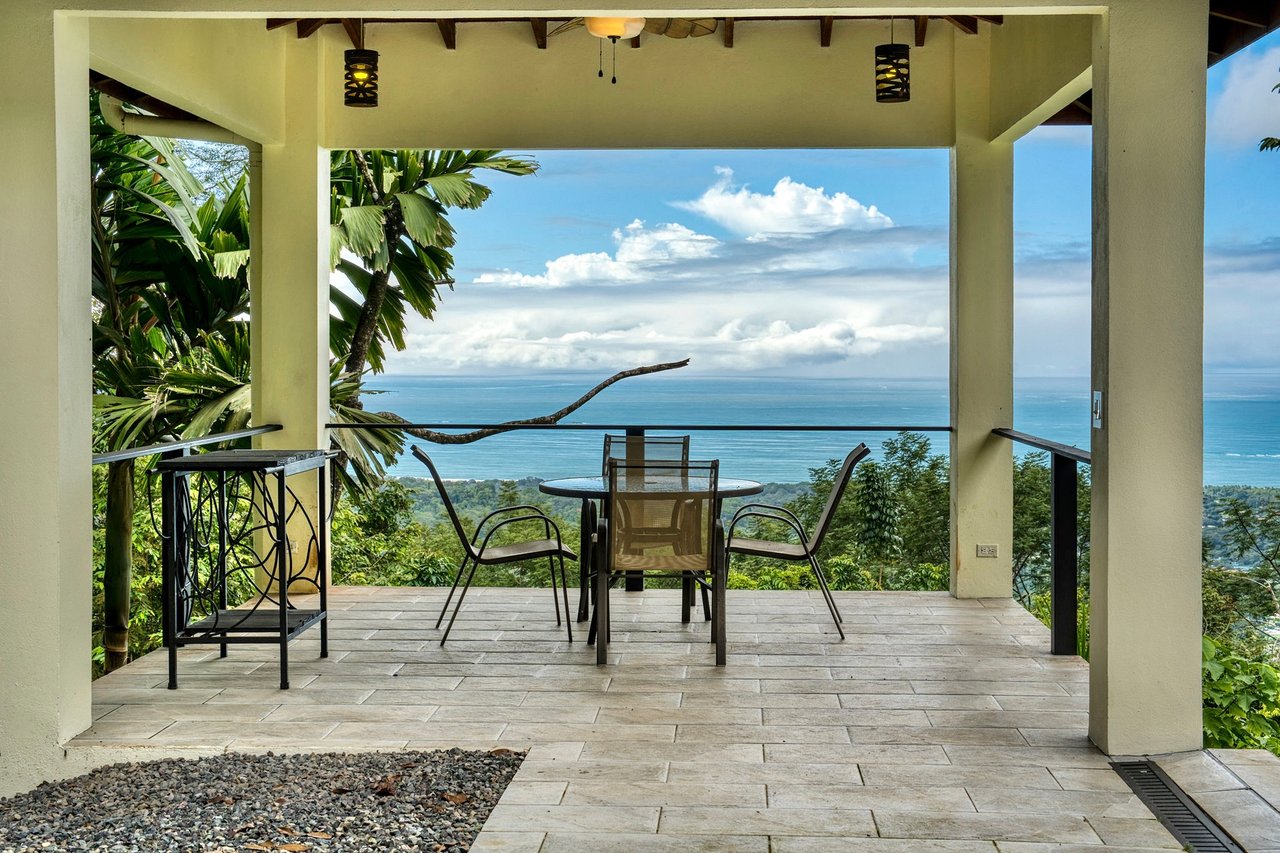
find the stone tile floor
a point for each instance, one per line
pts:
(938, 725)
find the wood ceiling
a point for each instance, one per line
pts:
(539, 27)
(1233, 26)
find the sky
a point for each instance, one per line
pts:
(827, 263)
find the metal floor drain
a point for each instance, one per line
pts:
(1185, 820)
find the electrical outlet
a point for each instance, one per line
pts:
(988, 550)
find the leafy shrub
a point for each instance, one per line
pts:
(1241, 701)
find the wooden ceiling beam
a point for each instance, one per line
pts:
(825, 25)
(539, 26)
(998, 20)
(277, 23)
(307, 27)
(964, 23)
(110, 86)
(635, 42)
(449, 33)
(728, 32)
(1239, 13)
(922, 29)
(354, 32)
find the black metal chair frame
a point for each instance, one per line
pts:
(809, 545)
(474, 557)
(599, 632)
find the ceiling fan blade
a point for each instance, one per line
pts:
(566, 26)
(678, 28)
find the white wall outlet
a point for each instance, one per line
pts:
(988, 550)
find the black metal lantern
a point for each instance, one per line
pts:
(893, 71)
(360, 78)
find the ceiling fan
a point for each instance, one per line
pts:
(676, 28)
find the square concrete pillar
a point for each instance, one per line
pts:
(46, 520)
(1148, 292)
(981, 335)
(290, 276)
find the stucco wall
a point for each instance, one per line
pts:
(228, 71)
(776, 88)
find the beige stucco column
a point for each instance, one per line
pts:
(290, 285)
(1148, 291)
(46, 522)
(981, 335)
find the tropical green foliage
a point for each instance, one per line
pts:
(389, 210)
(1241, 701)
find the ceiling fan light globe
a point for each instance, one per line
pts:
(624, 28)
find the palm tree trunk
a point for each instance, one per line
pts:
(367, 324)
(118, 563)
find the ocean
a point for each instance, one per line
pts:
(1242, 420)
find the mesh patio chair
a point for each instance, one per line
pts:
(485, 554)
(806, 548)
(641, 497)
(654, 450)
(634, 449)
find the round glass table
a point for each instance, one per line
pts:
(592, 489)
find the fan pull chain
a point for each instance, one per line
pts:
(600, 63)
(614, 39)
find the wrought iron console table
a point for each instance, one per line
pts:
(227, 520)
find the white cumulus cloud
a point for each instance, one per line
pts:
(639, 249)
(1247, 109)
(792, 208)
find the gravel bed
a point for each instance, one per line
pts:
(299, 803)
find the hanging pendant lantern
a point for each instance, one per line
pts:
(360, 75)
(893, 71)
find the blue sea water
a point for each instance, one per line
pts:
(1242, 420)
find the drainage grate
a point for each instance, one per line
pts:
(1170, 804)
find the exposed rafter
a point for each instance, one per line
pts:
(448, 33)
(964, 23)
(825, 25)
(728, 32)
(354, 31)
(308, 27)
(156, 107)
(922, 29)
(539, 32)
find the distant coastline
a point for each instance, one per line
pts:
(1242, 419)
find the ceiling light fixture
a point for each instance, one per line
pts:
(612, 29)
(893, 71)
(360, 75)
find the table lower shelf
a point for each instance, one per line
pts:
(258, 626)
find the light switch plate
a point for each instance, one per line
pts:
(1097, 410)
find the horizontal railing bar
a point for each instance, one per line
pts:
(664, 427)
(185, 444)
(1069, 451)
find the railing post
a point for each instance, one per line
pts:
(1063, 579)
(635, 454)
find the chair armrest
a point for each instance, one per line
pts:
(496, 512)
(517, 519)
(770, 508)
(789, 520)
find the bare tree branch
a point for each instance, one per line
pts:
(554, 417)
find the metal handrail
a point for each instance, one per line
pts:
(1064, 564)
(183, 444)
(663, 427)
(1070, 451)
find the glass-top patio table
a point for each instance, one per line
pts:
(591, 489)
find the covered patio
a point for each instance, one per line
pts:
(913, 711)
(938, 718)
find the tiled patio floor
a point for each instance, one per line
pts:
(938, 725)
